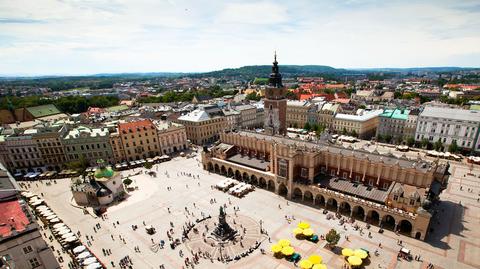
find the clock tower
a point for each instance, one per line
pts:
(275, 103)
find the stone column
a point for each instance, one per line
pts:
(365, 218)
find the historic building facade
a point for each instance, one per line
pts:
(139, 139)
(392, 192)
(275, 103)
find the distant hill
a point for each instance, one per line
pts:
(263, 70)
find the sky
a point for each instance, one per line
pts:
(72, 37)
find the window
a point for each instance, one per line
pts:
(34, 263)
(412, 202)
(27, 249)
(282, 168)
(304, 172)
(395, 197)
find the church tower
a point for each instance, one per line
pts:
(275, 103)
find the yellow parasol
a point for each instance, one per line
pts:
(354, 260)
(276, 248)
(319, 266)
(297, 231)
(347, 252)
(284, 242)
(287, 251)
(362, 254)
(308, 232)
(315, 259)
(305, 264)
(304, 225)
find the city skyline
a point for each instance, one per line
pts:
(76, 38)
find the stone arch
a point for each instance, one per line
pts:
(373, 217)
(308, 197)
(210, 167)
(216, 168)
(358, 212)
(238, 175)
(388, 222)
(332, 204)
(230, 172)
(282, 190)
(345, 208)
(297, 194)
(254, 180)
(262, 183)
(320, 200)
(223, 170)
(405, 227)
(418, 235)
(271, 185)
(245, 177)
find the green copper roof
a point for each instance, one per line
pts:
(104, 172)
(399, 114)
(42, 111)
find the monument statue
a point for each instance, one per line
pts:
(223, 231)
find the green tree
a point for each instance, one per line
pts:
(425, 143)
(127, 181)
(291, 95)
(148, 165)
(380, 138)
(332, 238)
(410, 141)
(453, 147)
(438, 145)
(253, 96)
(307, 126)
(388, 138)
(81, 165)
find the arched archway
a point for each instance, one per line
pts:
(345, 208)
(230, 172)
(217, 168)
(332, 204)
(245, 177)
(271, 185)
(358, 212)
(373, 217)
(238, 175)
(388, 222)
(282, 190)
(405, 227)
(262, 183)
(320, 200)
(254, 180)
(210, 167)
(223, 170)
(297, 194)
(418, 235)
(308, 197)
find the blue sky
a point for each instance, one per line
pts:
(40, 37)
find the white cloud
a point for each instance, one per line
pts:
(52, 36)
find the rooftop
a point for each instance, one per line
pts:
(355, 188)
(451, 113)
(250, 162)
(12, 218)
(360, 154)
(195, 116)
(42, 111)
(362, 117)
(133, 125)
(399, 114)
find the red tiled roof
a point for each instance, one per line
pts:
(341, 100)
(135, 124)
(12, 217)
(95, 110)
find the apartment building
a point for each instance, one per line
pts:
(172, 137)
(88, 143)
(297, 113)
(203, 125)
(363, 124)
(21, 244)
(139, 139)
(449, 125)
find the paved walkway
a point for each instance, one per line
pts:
(455, 242)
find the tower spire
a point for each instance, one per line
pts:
(275, 79)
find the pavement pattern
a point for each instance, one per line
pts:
(453, 243)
